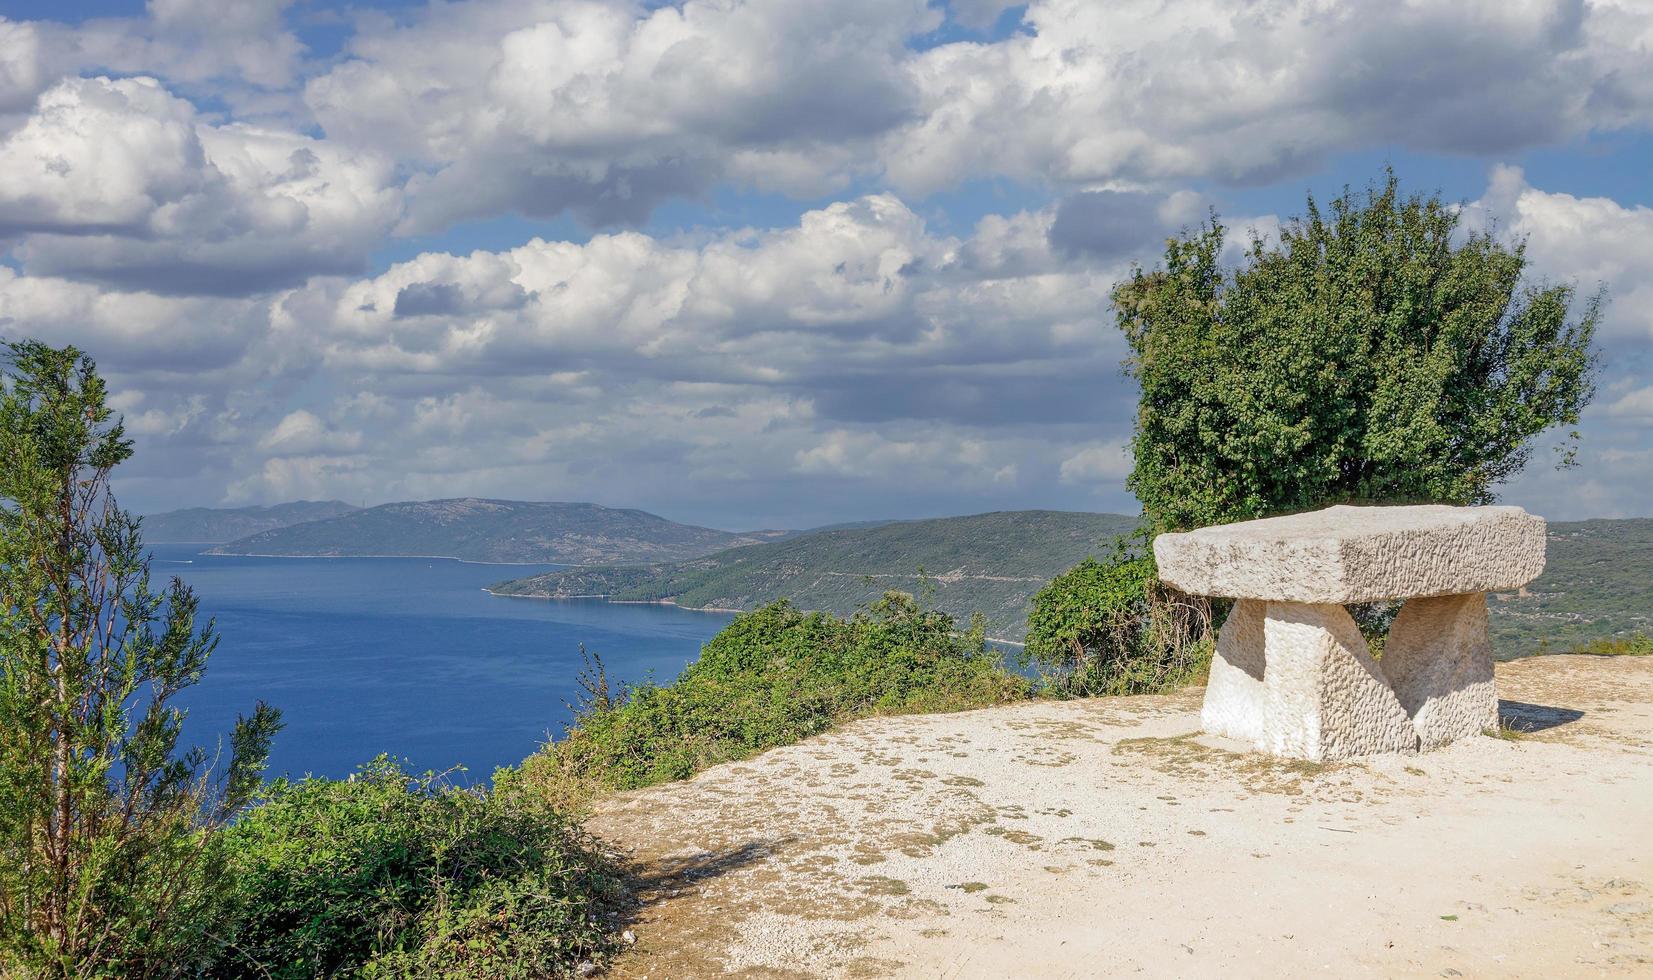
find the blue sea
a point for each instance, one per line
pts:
(407, 656)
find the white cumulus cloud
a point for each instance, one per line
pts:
(606, 108)
(120, 181)
(1141, 90)
(1103, 465)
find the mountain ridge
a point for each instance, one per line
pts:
(494, 530)
(220, 524)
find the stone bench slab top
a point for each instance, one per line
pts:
(1349, 554)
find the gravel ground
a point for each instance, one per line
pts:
(1106, 837)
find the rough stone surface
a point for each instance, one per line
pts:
(1326, 697)
(1291, 674)
(1439, 661)
(1236, 696)
(1358, 554)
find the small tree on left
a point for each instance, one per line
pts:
(108, 866)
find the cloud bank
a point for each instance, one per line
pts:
(223, 215)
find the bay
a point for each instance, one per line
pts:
(407, 656)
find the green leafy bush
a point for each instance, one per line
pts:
(387, 875)
(1375, 354)
(1112, 627)
(772, 677)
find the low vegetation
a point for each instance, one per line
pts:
(1112, 627)
(772, 677)
(389, 875)
(1635, 645)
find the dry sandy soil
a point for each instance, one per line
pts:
(1106, 837)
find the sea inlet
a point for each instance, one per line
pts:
(407, 656)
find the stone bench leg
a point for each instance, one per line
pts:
(1327, 697)
(1295, 679)
(1235, 698)
(1439, 661)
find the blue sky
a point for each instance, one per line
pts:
(751, 262)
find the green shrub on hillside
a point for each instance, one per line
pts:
(1112, 627)
(1375, 353)
(387, 875)
(772, 677)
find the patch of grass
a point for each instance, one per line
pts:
(1182, 755)
(773, 677)
(1022, 837)
(882, 885)
(1507, 732)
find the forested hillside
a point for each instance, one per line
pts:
(1598, 581)
(987, 563)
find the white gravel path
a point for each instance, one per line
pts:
(1105, 838)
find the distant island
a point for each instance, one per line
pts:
(507, 531)
(987, 563)
(219, 524)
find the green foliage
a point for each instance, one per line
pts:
(1635, 645)
(384, 875)
(772, 677)
(106, 863)
(1375, 355)
(1112, 627)
(986, 563)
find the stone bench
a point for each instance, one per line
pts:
(1292, 675)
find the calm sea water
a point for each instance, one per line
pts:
(407, 656)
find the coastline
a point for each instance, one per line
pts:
(617, 602)
(467, 561)
(1001, 641)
